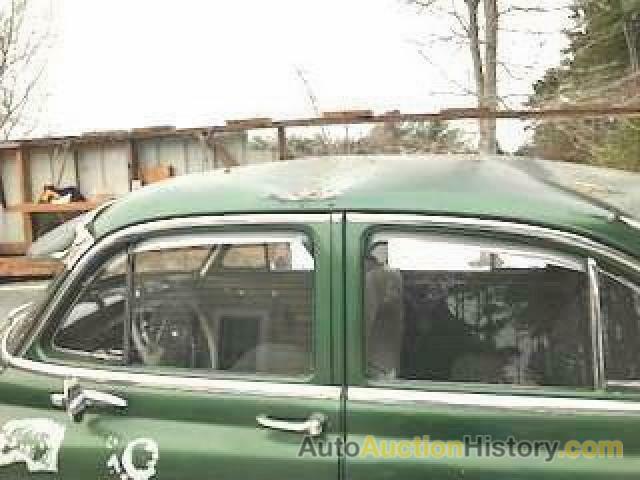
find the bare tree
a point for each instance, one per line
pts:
(484, 66)
(480, 26)
(24, 43)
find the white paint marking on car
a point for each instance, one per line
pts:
(124, 465)
(33, 441)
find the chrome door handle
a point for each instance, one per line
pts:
(76, 399)
(312, 426)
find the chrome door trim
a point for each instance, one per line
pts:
(194, 384)
(507, 227)
(211, 385)
(634, 384)
(529, 403)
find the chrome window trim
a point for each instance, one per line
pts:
(83, 353)
(525, 230)
(212, 239)
(635, 384)
(597, 331)
(569, 405)
(188, 383)
(632, 222)
(507, 227)
(219, 220)
(564, 260)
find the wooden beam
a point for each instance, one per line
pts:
(24, 189)
(282, 143)
(596, 111)
(53, 207)
(133, 165)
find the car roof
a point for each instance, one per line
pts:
(496, 187)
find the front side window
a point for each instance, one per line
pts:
(95, 322)
(453, 309)
(203, 304)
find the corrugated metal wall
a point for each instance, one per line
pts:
(10, 222)
(102, 169)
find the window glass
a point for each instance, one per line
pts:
(620, 300)
(466, 310)
(181, 259)
(95, 323)
(241, 308)
(190, 310)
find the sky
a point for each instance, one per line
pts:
(119, 64)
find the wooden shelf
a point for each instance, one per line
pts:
(53, 207)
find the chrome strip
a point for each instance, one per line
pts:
(498, 401)
(597, 332)
(186, 240)
(570, 262)
(14, 312)
(213, 220)
(558, 236)
(209, 385)
(624, 383)
(631, 222)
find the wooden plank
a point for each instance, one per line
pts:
(13, 248)
(27, 267)
(29, 208)
(133, 164)
(347, 114)
(248, 123)
(151, 175)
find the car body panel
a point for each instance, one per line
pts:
(396, 411)
(463, 185)
(206, 426)
(177, 425)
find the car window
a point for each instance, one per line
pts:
(455, 309)
(620, 309)
(95, 322)
(244, 320)
(188, 310)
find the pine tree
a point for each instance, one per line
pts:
(598, 68)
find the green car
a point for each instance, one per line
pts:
(355, 318)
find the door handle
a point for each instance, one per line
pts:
(312, 426)
(76, 399)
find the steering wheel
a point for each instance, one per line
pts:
(164, 333)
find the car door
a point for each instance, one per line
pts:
(478, 350)
(180, 349)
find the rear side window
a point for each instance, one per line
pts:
(205, 304)
(620, 309)
(453, 309)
